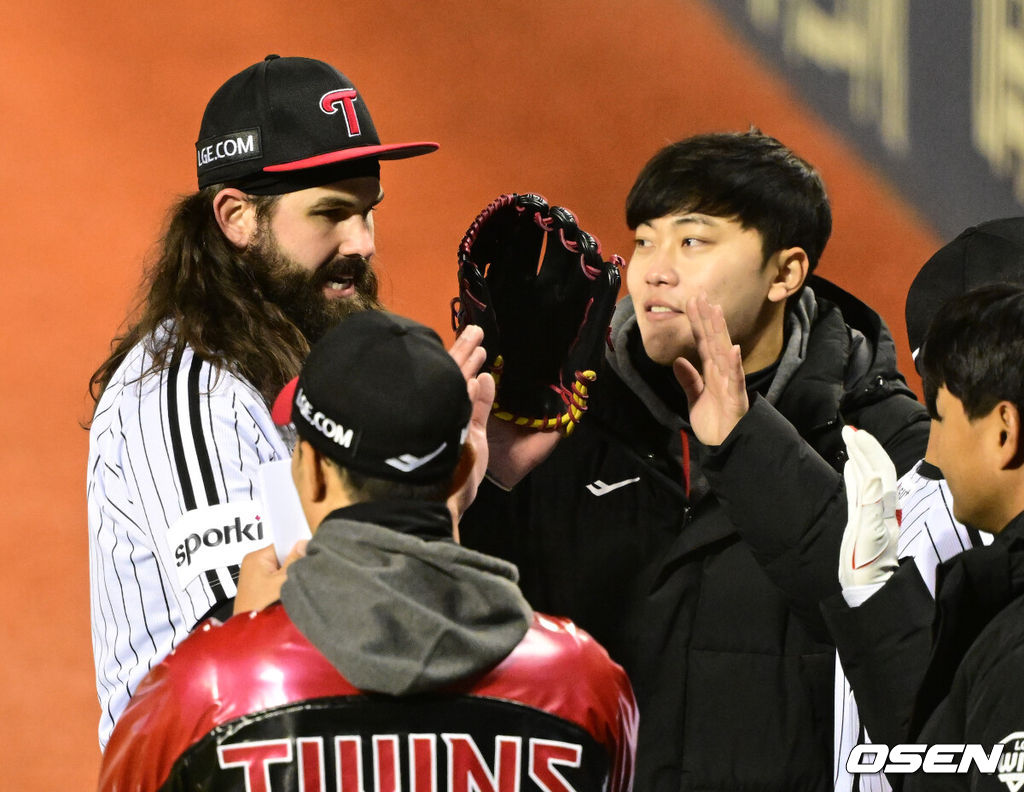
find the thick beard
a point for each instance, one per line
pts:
(299, 292)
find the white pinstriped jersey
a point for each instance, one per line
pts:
(173, 508)
(930, 535)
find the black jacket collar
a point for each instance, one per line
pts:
(422, 519)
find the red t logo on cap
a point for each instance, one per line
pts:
(346, 97)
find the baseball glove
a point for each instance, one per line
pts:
(539, 287)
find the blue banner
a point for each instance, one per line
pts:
(931, 93)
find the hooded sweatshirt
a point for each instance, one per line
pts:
(403, 609)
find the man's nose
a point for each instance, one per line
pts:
(357, 237)
(661, 270)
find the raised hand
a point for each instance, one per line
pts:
(717, 394)
(868, 554)
(507, 450)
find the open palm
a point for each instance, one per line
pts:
(717, 394)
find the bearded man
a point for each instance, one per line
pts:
(273, 250)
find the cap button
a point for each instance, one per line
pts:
(271, 57)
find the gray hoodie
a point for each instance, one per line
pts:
(398, 614)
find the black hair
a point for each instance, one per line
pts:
(747, 176)
(207, 287)
(365, 488)
(370, 488)
(975, 349)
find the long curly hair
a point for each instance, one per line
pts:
(209, 291)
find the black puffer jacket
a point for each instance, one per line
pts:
(641, 536)
(948, 671)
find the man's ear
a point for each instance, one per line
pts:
(790, 266)
(236, 216)
(1007, 424)
(308, 473)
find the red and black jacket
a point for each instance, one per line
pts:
(252, 705)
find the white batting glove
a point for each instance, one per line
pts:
(867, 556)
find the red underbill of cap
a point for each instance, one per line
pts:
(282, 409)
(386, 152)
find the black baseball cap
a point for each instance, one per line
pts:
(285, 124)
(379, 394)
(990, 252)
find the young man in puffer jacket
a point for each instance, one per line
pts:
(680, 546)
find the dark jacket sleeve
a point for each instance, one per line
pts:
(786, 502)
(789, 504)
(884, 646)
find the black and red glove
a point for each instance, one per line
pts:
(544, 295)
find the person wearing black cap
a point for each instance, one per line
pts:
(275, 247)
(395, 659)
(944, 674)
(987, 253)
(990, 252)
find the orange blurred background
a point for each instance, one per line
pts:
(101, 104)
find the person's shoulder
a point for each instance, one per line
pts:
(207, 379)
(554, 647)
(563, 636)
(134, 376)
(235, 655)
(214, 654)
(875, 394)
(145, 401)
(834, 301)
(223, 672)
(154, 364)
(561, 669)
(994, 663)
(231, 642)
(133, 385)
(872, 359)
